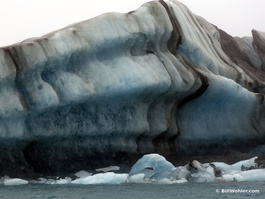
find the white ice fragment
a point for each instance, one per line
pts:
(15, 181)
(180, 181)
(42, 180)
(181, 172)
(110, 168)
(198, 166)
(137, 178)
(210, 170)
(223, 166)
(228, 178)
(234, 168)
(102, 178)
(50, 181)
(169, 181)
(164, 181)
(203, 177)
(82, 174)
(246, 163)
(147, 173)
(254, 175)
(63, 181)
(205, 172)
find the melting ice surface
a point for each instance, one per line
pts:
(154, 168)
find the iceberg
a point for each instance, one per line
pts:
(155, 163)
(151, 167)
(110, 89)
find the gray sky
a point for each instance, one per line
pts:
(23, 19)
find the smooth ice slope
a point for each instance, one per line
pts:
(120, 85)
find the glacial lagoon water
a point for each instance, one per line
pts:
(235, 190)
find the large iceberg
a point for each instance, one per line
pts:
(115, 87)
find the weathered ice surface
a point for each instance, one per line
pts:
(109, 89)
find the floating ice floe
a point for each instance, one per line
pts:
(110, 168)
(82, 174)
(102, 178)
(154, 168)
(15, 181)
(53, 181)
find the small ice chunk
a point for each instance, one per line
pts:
(110, 168)
(168, 181)
(137, 178)
(42, 180)
(151, 162)
(181, 172)
(254, 175)
(228, 178)
(246, 163)
(198, 166)
(63, 181)
(203, 177)
(223, 166)
(148, 173)
(151, 168)
(180, 181)
(164, 181)
(234, 168)
(82, 174)
(15, 181)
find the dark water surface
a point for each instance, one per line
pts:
(139, 191)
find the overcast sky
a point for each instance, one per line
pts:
(22, 19)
